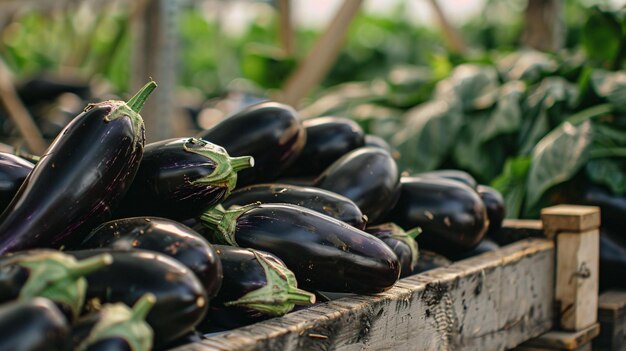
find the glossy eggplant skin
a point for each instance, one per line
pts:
(452, 174)
(319, 200)
(451, 214)
(402, 245)
(327, 139)
(33, 325)
(368, 176)
(164, 236)
(174, 179)
(82, 328)
(270, 132)
(242, 274)
(181, 301)
(376, 141)
(324, 253)
(496, 210)
(484, 246)
(13, 171)
(84, 173)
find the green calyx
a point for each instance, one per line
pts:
(119, 321)
(130, 109)
(224, 222)
(407, 237)
(226, 167)
(279, 295)
(60, 277)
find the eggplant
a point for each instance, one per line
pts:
(46, 88)
(50, 274)
(319, 200)
(496, 210)
(612, 207)
(82, 176)
(401, 242)
(324, 253)
(180, 178)
(376, 141)
(368, 176)
(451, 214)
(13, 171)
(164, 236)
(115, 327)
(257, 285)
(612, 259)
(33, 325)
(181, 301)
(327, 139)
(452, 174)
(270, 132)
(430, 260)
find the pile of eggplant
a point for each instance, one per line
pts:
(109, 243)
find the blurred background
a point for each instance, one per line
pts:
(526, 95)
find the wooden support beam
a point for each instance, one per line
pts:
(577, 265)
(612, 318)
(561, 340)
(321, 57)
(285, 27)
(19, 114)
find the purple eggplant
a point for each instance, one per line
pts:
(13, 171)
(401, 242)
(451, 174)
(368, 176)
(496, 210)
(33, 325)
(327, 139)
(324, 253)
(115, 327)
(180, 178)
(270, 132)
(50, 274)
(451, 214)
(82, 176)
(181, 301)
(484, 246)
(165, 236)
(257, 285)
(319, 200)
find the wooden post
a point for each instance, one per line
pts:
(286, 30)
(612, 318)
(577, 260)
(313, 69)
(544, 27)
(19, 114)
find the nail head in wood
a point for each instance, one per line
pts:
(569, 218)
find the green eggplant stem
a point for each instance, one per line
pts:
(136, 102)
(242, 162)
(414, 233)
(143, 306)
(300, 297)
(223, 223)
(89, 265)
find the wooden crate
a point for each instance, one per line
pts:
(495, 301)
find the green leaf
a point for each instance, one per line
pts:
(475, 86)
(610, 86)
(506, 118)
(512, 184)
(557, 158)
(608, 172)
(483, 160)
(601, 36)
(430, 131)
(527, 65)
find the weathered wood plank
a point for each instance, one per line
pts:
(577, 257)
(612, 318)
(570, 218)
(494, 301)
(562, 340)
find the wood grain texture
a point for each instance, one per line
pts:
(494, 301)
(577, 270)
(569, 218)
(562, 340)
(612, 318)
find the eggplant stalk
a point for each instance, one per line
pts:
(223, 223)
